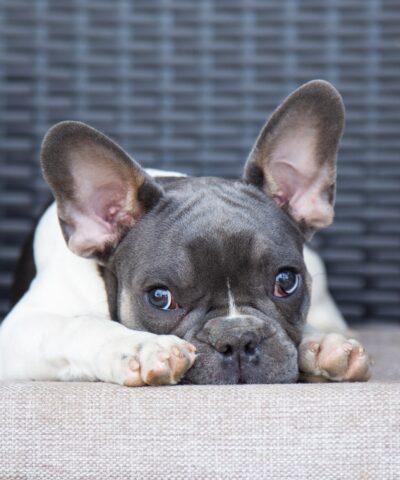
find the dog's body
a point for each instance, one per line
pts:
(181, 264)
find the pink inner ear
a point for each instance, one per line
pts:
(306, 198)
(99, 225)
(103, 204)
(111, 204)
(297, 181)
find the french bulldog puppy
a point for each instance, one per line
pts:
(156, 280)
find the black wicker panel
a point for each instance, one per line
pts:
(186, 85)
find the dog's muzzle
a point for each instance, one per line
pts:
(237, 339)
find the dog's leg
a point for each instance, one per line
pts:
(323, 314)
(40, 346)
(328, 351)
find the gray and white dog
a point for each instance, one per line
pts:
(160, 279)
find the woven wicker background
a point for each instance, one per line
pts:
(187, 85)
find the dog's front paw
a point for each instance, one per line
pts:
(155, 360)
(164, 360)
(333, 357)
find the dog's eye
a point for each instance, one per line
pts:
(286, 283)
(162, 298)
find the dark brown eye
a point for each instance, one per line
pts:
(161, 298)
(286, 282)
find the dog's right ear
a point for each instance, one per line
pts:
(100, 191)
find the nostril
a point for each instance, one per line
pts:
(250, 348)
(226, 350)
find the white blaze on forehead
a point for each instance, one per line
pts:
(232, 310)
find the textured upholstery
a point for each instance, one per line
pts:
(96, 431)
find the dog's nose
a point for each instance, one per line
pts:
(237, 339)
(238, 342)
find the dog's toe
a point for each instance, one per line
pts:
(359, 365)
(133, 377)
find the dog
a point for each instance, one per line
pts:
(144, 279)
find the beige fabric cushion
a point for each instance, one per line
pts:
(96, 431)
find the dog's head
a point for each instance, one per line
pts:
(213, 261)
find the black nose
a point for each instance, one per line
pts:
(240, 342)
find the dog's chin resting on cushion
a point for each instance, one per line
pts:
(144, 278)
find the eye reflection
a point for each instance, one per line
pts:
(286, 283)
(161, 298)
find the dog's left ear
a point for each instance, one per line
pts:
(294, 157)
(100, 191)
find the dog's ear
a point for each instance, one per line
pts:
(294, 157)
(100, 191)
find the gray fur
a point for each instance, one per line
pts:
(203, 232)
